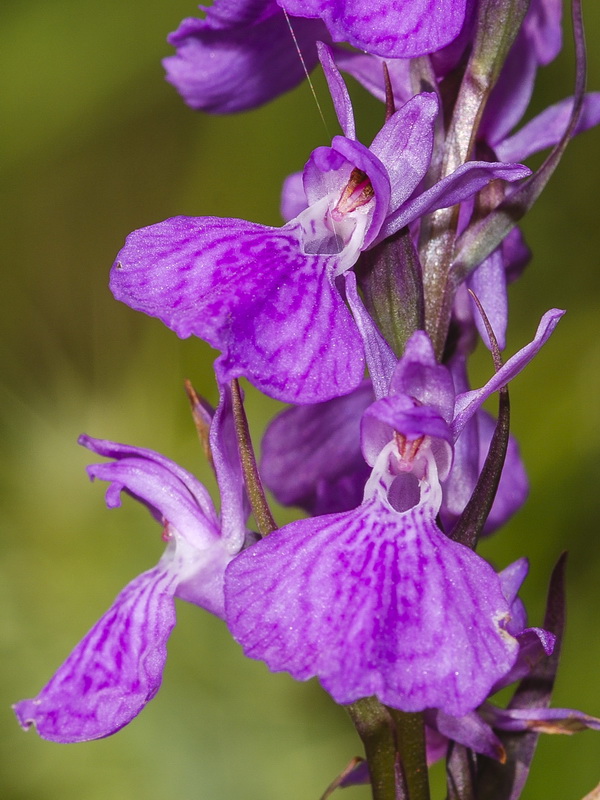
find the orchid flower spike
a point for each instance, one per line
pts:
(117, 667)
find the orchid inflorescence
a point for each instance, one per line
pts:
(361, 311)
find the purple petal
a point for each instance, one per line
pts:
(537, 43)
(399, 413)
(547, 128)
(419, 375)
(181, 481)
(357, 776)
(515, 253)
(394, 28)
(535, 644)
(293, 197)
(368, 71)
(512, 577)
(488, 282)
(469, 730)
(311, 455)
(171, 493)
(252, 292)
(513, 487)
(114, 671)
(543, 25)
(448, 58)
(328, 171)
(373, 602)
(541, 720)
(467, 180)
(404, 146)
(460, 483)
(235, 508)
(197, 552)
(381, 360)
(338, 91)
(467, 403)
(511, 95)
(240, 56)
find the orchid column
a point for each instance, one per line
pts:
(361, 311)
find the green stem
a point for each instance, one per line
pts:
(410, 737)
(497, 26)
(375, 728)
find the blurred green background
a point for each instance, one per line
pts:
(94, 144)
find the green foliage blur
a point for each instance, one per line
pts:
(94, 144)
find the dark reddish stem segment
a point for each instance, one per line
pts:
(258, 501)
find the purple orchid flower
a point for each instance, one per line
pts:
(396, 29)
(245, 52)
(241, 55)
(326, 436)
(539, 41)
(117, 667)
(377, 600)
(478, 730)
(268, 298)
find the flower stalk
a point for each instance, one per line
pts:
(375, 727)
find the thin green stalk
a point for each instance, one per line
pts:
(375, 728)
(497, 25)
(410, 738)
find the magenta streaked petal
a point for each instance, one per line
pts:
(311, 454)
(114, 671)
(374, 602)
(467, 180)
(404, 146)
(240, 56)
(186, 483)
(395, 28)
(252, 292)
(171, 493)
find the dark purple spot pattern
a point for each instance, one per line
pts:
(390, 28)
(251, 292)
(115, 669)
(373, 602)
